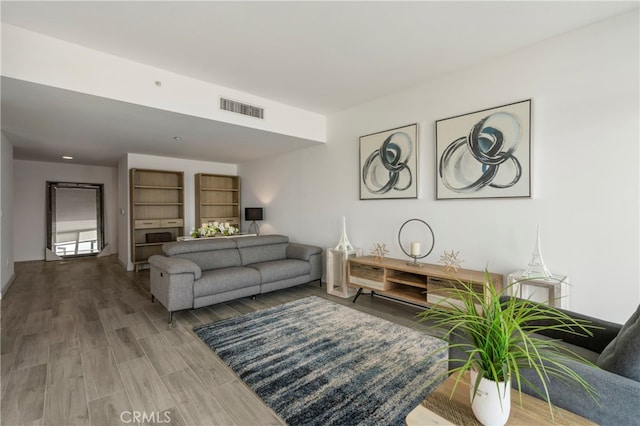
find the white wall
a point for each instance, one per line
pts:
(190, 169)
(29, 209)
(6, 215)
(585, 90)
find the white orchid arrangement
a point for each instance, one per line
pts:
(212, 229)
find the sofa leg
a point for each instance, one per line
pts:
(153, 298)
(253, 298)
(170, 317)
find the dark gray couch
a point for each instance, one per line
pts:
(198, 273)
(611, 346)
(618, 395)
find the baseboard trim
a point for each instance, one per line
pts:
(7, 285)
(125, 266)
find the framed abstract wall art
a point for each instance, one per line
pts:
(389, 164)
(485, 154)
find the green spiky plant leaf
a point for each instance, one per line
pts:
(499, 338)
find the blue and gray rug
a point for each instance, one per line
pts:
(315, 362)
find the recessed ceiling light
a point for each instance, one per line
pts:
(178, 138)
(67, 157)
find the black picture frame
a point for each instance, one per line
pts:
(485, 154)
(389, 164)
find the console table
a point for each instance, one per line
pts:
(441, 409)
(417, 285)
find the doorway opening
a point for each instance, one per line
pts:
(75, 220)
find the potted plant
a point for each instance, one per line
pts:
(495, 336)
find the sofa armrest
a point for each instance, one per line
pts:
(302, 251)
(308, 253)
(175, 265)
(603, 331)
(617, 397)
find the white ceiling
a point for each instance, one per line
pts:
(320, 56)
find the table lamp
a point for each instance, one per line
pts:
(253, 214)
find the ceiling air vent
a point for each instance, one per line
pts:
(240, 108)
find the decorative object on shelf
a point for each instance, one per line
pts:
(450, 261)
(421, 232)
(337, 259)
(213, 229)
(389, 164)
(254, 213)
(536, 267)
(379, 251)
(485, 154)
(343, 243)
(497, 339)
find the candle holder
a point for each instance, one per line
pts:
(429, 234)
(415, 261)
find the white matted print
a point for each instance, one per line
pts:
(485, 154)
(389, 164)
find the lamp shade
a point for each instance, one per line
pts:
(253, 213)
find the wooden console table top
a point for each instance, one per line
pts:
(464, 275)
(423, 285)
(439, 409)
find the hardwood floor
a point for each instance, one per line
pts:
(82, 344)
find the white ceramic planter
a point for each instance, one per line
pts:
(492, 404)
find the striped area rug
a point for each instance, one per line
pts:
(315, 362)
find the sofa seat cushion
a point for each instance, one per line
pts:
(226, 279)
(282, 269)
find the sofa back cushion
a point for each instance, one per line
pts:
(262, 249)
(211, 253)
(622, 355)
(213, 259)
(198, 245)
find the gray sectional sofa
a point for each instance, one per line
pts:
(198, 273)
(613, 350)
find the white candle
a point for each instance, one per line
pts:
(415, 249)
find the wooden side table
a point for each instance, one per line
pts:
(337, 281)
(553, 291)
(439, 409)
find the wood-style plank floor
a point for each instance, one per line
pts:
(82, 344)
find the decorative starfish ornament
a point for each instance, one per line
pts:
(450, 261)
(379, 251)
